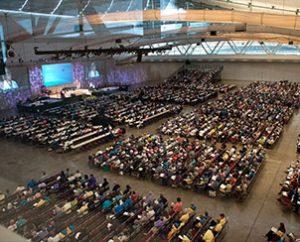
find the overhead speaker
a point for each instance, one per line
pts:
(139, 57)
(118, 41)
(213, 33)
(291, 42)
(240, 28)
(2, 67)
(10, 51)
(187, 62)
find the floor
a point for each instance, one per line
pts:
(248, 220)
(8, 236)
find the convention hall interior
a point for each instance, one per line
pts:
(149, 120)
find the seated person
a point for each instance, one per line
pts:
(106, 204)
(217, 225)
(276, 234)
(208, 236)
(2, 196)
(177, 207)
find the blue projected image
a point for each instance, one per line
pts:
(57, 74)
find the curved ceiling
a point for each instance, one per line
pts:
(140, 22)
(285, 7)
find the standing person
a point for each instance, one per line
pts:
(92, 183)
(93, 71)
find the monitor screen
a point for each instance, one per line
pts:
(57, 74)
(93, 71)
(13, 79)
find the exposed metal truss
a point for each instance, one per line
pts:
(229, 48)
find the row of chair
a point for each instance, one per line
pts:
(298, 144)
(72, 207)
(54, 133)
(290, 189)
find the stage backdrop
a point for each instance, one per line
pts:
(97, 74)
(103, 73)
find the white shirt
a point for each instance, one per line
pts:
(93, 73)
(9, 85)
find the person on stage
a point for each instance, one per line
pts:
(93, 73)
(8, 83)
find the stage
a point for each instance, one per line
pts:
(40, 105)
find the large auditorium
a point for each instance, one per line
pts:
(149, 120)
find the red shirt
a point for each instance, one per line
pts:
(177, 207)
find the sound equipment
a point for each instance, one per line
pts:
(124, 88)
(101, 119)
(139, 57)
(187, 62)
(213, 33)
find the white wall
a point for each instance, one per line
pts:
(261, 71)
(156, 71)
(237, 70)
(161, 71)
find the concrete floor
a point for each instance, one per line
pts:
(248, 220)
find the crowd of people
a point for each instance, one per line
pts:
(121, 109)
(54, 133)
(255, 114)
(187, 87)
(290, 190)
(77, 207)
(139, 113)
(144, 105)
(84, 110)
(178, 162)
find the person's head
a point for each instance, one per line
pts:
(222, 215)
(178, 199)
(93, 66)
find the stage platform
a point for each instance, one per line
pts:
(40, 105)
(109, 90)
